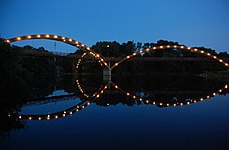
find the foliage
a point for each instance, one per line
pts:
(118, 50)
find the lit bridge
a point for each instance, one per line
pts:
(104, 63)
(107, 72)
(89, 98)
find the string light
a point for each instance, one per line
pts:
(168, 46)
(127, 57)
(116, 64)
(55, 116)
(45, 36)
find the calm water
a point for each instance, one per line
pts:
(136, 112)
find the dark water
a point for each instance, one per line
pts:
(131, 112)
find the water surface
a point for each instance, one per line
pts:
(134, 112)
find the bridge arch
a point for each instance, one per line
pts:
(161, 103)
(63, 39)
(80, 106)
(69, 111)
(195, 50)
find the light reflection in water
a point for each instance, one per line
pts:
(95, 97)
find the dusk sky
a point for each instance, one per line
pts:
(192, 23)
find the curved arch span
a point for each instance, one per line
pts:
(161, 103)
(82, 105)
(195, 50)
(60, 114)
(63, 39)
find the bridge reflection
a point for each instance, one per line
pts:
(87, 98)
(129, 96)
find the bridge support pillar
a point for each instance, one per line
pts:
(107, 74)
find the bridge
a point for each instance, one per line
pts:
(105, 62)
(112, 59)
(107, 69)
(95, 97)
(63, 39)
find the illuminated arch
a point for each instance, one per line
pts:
(80, 60)
(161, 103)
(94, 94)
(60, 114)
(64, 39)
(55, 115)
(195, 50)
(84, 104)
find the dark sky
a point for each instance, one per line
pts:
(190, 22)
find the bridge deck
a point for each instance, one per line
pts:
(111, 59)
